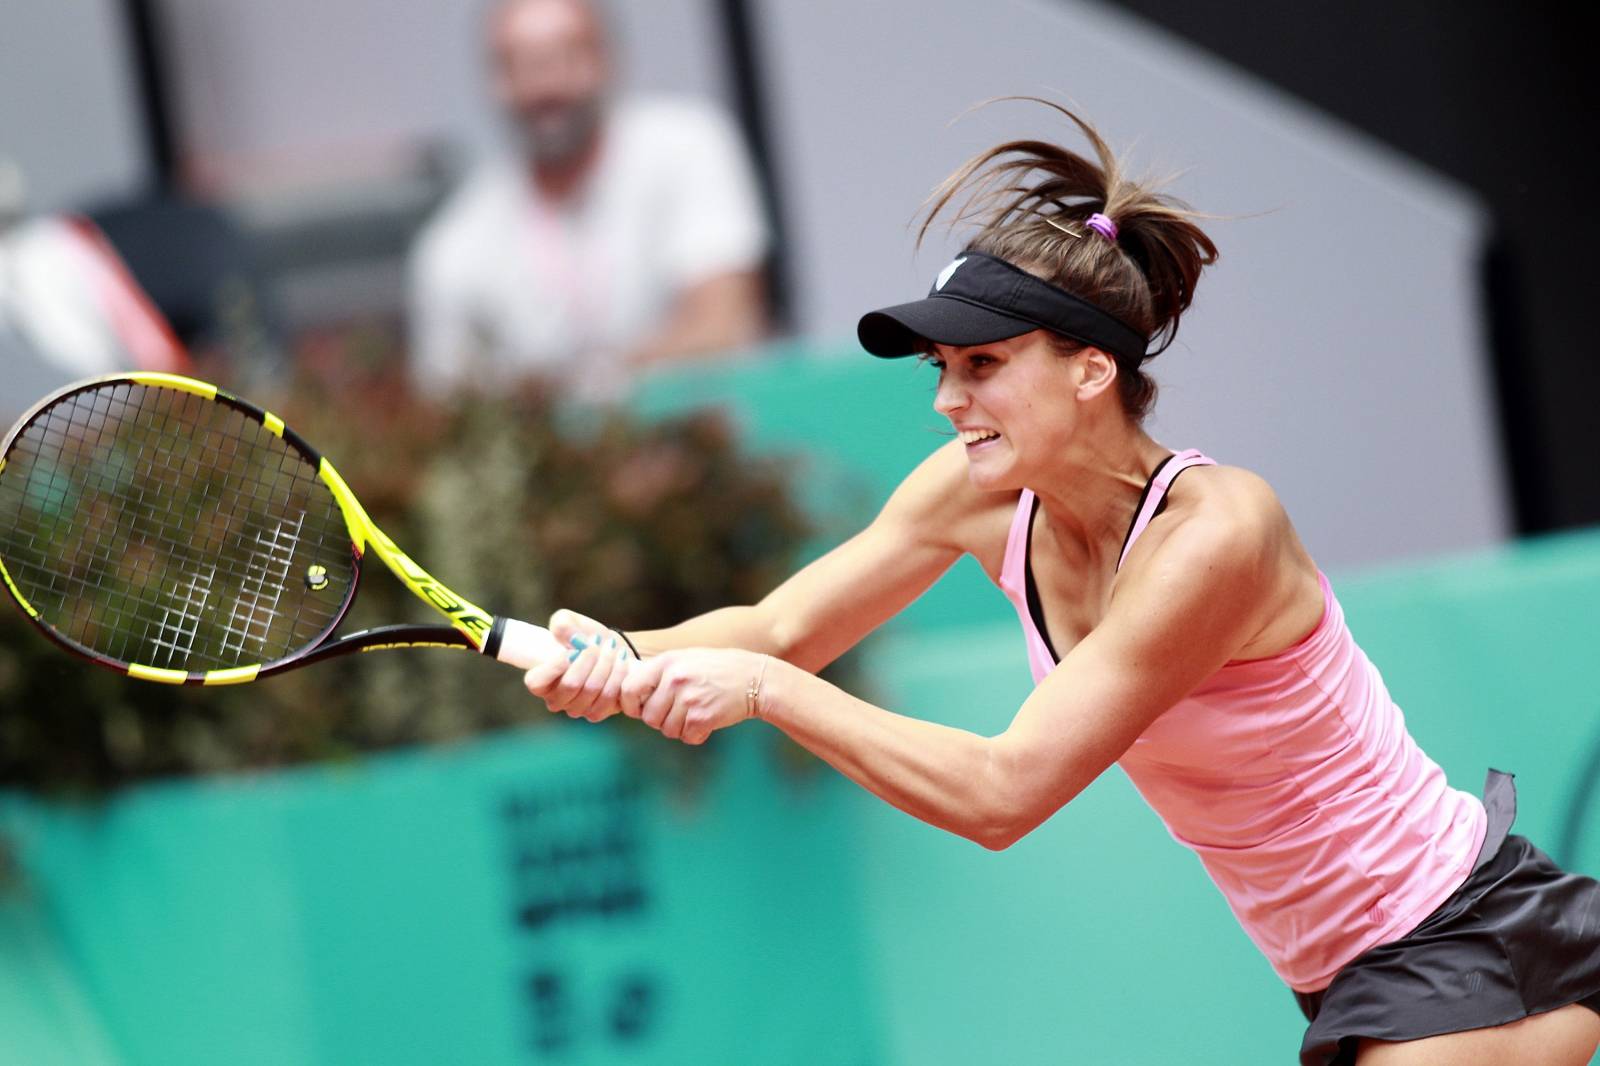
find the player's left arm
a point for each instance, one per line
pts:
(1182, 610)
(1178, 618)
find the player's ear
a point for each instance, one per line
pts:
(1097, 373)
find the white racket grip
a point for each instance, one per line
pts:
(525, 646)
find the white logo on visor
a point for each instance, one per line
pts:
(945, 274)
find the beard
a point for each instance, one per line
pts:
(557, 135)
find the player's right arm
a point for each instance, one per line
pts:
(830, 605)
(932, 519)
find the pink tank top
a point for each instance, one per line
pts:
(1293, 778)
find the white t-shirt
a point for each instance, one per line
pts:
(504, 283)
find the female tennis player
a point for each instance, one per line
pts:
(1174, 623)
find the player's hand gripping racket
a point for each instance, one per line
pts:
(165, 529)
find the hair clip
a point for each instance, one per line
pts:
(1059, 226)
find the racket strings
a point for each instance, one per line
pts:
(159, 528)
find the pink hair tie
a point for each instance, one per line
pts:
(1103, 226)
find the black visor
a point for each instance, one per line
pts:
(979, 299)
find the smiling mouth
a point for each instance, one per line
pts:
(970, 437)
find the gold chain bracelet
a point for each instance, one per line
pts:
(752, 695)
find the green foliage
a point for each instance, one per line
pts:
(517, 503)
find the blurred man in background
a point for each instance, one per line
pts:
(621, 234)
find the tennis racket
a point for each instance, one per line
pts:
(163, 528)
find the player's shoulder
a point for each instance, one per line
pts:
(1218, 491)
(1222, 512)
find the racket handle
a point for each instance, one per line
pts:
(522, 645)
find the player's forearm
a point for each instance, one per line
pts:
(728, 627)
(947, 777)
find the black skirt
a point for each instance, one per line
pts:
(1520, 936)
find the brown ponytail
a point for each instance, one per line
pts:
(1031, 201)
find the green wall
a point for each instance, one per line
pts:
(532, 898)
(46, 1016)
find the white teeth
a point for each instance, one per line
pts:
(973, 436)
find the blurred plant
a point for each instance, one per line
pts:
(509, 498)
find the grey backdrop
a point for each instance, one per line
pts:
(1338, 348)
(67, 111)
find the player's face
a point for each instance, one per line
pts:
(551, 72)
(1013, 403)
